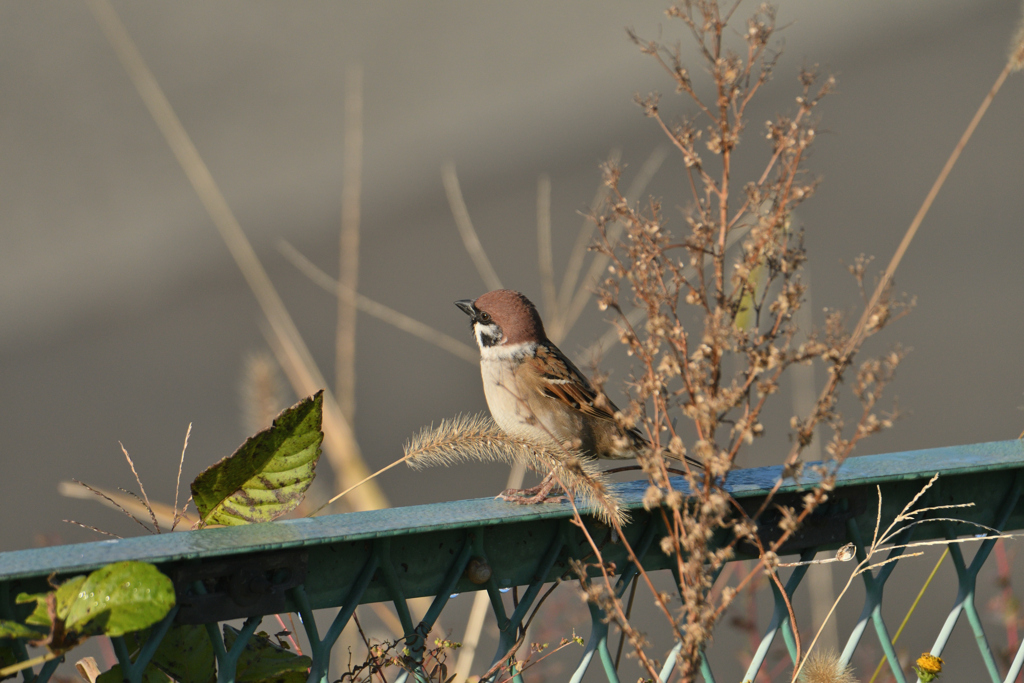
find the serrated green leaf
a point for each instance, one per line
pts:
(14, 629)
(263, 661)
(269, 474)
(119, 598)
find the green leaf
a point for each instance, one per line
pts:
(119, 598)
(12, 629)
(186, 655)
(263, 661)
(150, 675)
(7, 658)
(268, 475)
(67, 593)
(40, 615)
(49, 613)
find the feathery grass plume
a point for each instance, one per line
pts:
(261, 391)
(477, 437)
(1017, 44)
(825, 666)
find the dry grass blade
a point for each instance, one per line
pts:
(574, 266)
(466, 230)
(913, 501)
(891, 531)
(127, 504)
(476, 437)
(112, 499)
(600, 262)
(864, 324)
(92, 528)
(382, 312)
(910, 611)
(177, 484)
(149, 508)
(340, 444)
(545, 257)
(348, 266)
(261, 391)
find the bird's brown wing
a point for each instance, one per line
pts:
(564, 382)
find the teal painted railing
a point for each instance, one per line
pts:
(341, 561)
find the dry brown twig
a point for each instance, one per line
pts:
(901, 523)
(687, 322)
(131, 504)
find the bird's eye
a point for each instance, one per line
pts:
(485, 317)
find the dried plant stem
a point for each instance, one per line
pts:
(920, 594)
(906, 519)
(291, 639)
(348, 260)
(126, 503)
(883, 285)
(92, 528)
(358, 484)
(340, 444)
(574, 266)
(177, 483)
(524, 629)
(545, 257)
(118, 501)
(466, 229)
(870, 313)
(600, 261)
(27, 664)
(380, 311)
(145, 498)
(614, 605)
(612, 337)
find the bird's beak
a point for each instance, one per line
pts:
(467, 307)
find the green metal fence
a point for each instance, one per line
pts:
(341, 561)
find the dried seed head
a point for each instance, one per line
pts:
(1017, 45)
(825, 666)
(652, 498)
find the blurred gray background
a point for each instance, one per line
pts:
(124, 318)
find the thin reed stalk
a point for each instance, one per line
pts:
(340, 445)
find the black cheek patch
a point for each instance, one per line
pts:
(491, 335)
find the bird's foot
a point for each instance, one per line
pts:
(548, 491)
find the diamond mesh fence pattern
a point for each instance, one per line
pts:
(436, 551)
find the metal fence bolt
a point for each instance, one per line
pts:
(478, 571)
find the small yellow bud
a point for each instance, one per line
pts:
(928, 667)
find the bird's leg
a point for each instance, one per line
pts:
(547, 491)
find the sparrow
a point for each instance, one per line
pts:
(535, 392)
